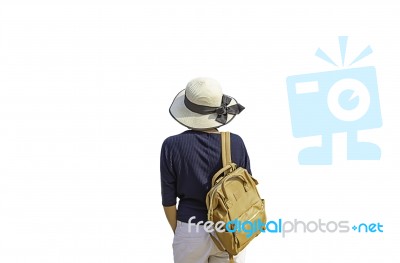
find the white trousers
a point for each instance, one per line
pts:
(198, 247)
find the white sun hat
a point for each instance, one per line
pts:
(202, 105)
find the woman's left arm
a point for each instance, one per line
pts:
(170, 213)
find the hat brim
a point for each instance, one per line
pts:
(192, 119)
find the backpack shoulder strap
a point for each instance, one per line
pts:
(226, 148)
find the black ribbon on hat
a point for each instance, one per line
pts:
(221, 111)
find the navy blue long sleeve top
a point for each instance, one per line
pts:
(187, 163)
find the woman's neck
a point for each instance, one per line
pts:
(211, 130)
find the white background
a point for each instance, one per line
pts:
(85, 89)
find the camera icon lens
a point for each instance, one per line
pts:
(348, 99)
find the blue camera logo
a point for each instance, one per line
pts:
(344, 100)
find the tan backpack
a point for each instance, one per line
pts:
(234, 199)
